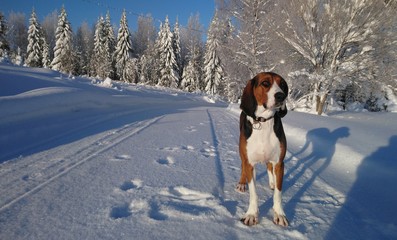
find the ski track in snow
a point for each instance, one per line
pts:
(86, 153)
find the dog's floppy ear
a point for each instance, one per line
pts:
(248, 101)
(283, 110)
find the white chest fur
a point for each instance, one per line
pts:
(263, 145)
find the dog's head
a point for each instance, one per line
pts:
(266, 89)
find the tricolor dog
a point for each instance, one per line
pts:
(262, 140)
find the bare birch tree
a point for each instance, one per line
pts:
(250, 41)
(338, 40)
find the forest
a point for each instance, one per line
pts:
(335, 55)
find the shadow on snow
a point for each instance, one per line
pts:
(370, 211)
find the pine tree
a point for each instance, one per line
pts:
(123, 49)
(4, 47)
(35, 47)
(168, 66)
(63, 53)
(110, 43)
(96, 60)
(176, 43)
(189, 77)
(46, 54)
(101, 61)
(18, 58)
(192, 72)
(213, 71)
(153, 59)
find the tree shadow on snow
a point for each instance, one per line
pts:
(323, 144)
(369, 211)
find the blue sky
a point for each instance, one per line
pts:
(89, 10)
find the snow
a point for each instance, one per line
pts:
(82, 161)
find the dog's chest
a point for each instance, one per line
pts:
(263, 145)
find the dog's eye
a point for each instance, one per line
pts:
(266, 84)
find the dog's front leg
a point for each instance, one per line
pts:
(279, 217)
(251, 216)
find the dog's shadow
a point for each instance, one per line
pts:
(323, 144)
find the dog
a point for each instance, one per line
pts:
(262, 140)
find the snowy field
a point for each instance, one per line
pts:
(85, 160)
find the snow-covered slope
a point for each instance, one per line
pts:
(83, 161)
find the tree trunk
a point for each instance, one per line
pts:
(318, 100)
(321, 103)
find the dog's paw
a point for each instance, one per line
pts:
(249, 220)
(279, 219)
(241, 187)
(271, 185)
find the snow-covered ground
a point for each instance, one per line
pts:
(83, 160)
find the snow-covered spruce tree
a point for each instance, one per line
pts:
(96, 59)
(213, 71)
(177, 48)
(18, 60)
(64, 58)
(101, 61)
(336, 40)
(123, 49)
(192, 74)
(168, 66)
(4, 47)
(46, 62)
(131, 70)
(35, 48)
(188, 81)
(148, 73)
(110, 42)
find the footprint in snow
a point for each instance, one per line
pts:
(132, 184)
(168, 161)
(188, 148)
(120, 211)
(208, 152)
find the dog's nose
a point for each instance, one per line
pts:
(280, 97)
